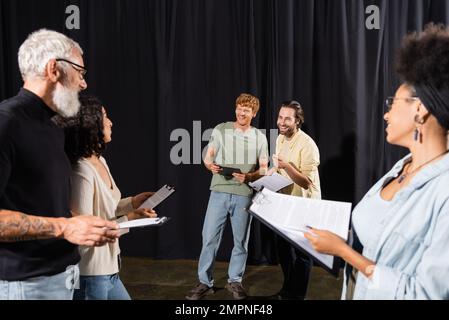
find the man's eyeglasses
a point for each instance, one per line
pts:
(390, 101)
(81, 70)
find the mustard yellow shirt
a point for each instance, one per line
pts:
(302, 152)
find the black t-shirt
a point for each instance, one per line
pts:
(34, 179)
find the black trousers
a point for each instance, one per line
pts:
(296, 267)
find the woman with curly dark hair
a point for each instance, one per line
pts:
(403, 221)
(94, 192)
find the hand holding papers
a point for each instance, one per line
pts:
(289, 216)
(275, 182)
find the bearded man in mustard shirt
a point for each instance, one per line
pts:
(297, 158)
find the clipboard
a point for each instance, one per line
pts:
(228, 171)
(337, 261)
(142, 223)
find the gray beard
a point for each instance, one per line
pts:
(66, 101)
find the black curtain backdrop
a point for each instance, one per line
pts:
(160, 65)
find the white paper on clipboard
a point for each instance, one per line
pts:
(291, 215)
(275, 182)
(162, 194)
(142, 223)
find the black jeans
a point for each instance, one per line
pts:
(296, 267)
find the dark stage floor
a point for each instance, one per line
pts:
(172, 279)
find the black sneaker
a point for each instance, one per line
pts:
(199, 292)
(237, 290)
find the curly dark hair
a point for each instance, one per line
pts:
(84, 133)
(424, 57)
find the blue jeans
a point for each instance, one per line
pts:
(108, 287)
(220, 204)
(56, 287)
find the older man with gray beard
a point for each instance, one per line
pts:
(38, 235)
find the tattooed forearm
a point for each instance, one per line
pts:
(16, 226)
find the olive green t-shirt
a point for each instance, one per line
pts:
(236, 149)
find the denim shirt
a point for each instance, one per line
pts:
(410, 240)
